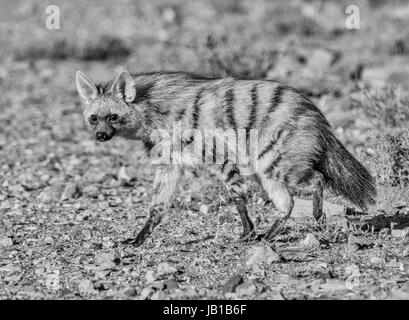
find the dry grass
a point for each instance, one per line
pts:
(386, 108)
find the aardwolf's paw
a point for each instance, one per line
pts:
(248, 236)
(135, 241)
(266, 237)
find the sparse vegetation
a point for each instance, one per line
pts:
(105, 48)
(387, 109)
(220, 57)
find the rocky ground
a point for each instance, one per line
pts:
(67, 201)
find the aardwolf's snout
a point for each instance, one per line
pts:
(102, 136)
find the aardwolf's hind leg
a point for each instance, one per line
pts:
(283, 199)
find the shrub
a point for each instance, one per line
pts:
(219, 57)
(390, 158)
(106, 47)
(386, 107)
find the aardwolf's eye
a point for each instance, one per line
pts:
(113, 117)
(93, 119)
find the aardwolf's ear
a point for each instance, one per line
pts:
(123, 87)
(86, 89)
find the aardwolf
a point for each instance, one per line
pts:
(296, 145)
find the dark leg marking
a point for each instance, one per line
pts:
(317, 202)
(279, 193)
(235, 185)
(152, 221)
(274, 229)
(248, 226)
(277, 225)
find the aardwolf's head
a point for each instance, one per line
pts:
(108, 108)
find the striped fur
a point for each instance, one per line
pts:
(296, 145)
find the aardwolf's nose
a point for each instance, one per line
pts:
(102, 136)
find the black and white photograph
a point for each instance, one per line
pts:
(218, 150)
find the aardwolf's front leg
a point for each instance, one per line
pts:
(165, 183)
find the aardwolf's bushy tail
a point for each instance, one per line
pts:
(346, 176)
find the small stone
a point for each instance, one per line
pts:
(100, 286)
(102, 274)
(127, 269)
(352, 269)
(293, 254)
(310, 242)
(232, 284)
(151, 276)
(48, 195)
(393, 263)
(129, 292)
(352, 240)
(165, 268)
(398, 294)
(6, 204)
(71, 190)
(404, 267)
(115, 202)
(399, 233)
(170, 284)
(247, 288)
(108, 244)
(262, 254)
(123, 176)
(174, 259)
(49, 240)
(158, 295)
(65, 292)
(200, 262)
(85, 287)
(9, 268)
(334, 285)
(92, 191)
(6, 242)
(377, 260)
(146, 293)
(204, 209)
(260, 286)
(106, 261)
